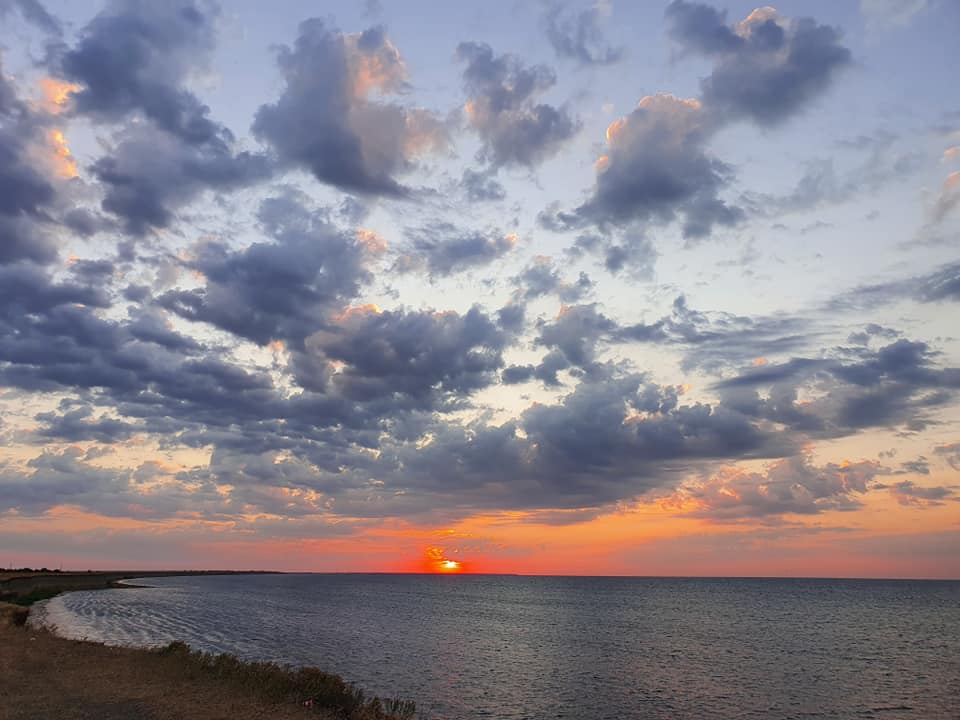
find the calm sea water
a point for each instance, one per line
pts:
(537, 647)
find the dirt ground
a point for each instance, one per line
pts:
(44, 676)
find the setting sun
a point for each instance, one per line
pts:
(438, 562)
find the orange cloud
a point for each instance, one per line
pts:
(382, 70)
(63, 162)
(371, 241)
(56, 94)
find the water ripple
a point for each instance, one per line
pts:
(517, 647)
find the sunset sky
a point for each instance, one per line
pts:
(532, 287)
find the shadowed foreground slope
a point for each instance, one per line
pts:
(45, 676)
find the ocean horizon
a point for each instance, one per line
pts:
(517, 646)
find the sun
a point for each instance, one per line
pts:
(438, 562)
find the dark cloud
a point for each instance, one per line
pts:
(511, 317)
(908, 493)
(131, 62)
(871, 331)
(608, 440)
(25, 288)
(33, 12)
(517, 374)
(941, 285)
(542, 277)
(710, 341)
(148, 175)
(85, 223)
(278, 290)
(920, 466)
(79, 424)
(151, 325)
(134, 57)
(72, 477)
(766, 67)
(951, 453)
(502, 108)
(893, 385)
(578, 35)
(325, 122)
(26, 192)
(423, 355)
(629, 251)
(656, 167)
(792, 485)
(575, 333)
(714, 341)
(442, 248)
(481, 186)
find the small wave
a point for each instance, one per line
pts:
(135, 582)
(53, 615)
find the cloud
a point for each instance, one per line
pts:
(542, 277)
(134, 57)
(576, 332)
(280, 289)
(895, 385)
(908, 493)
(481, 186)
(951, 453)
(885, 15)
(326, 122)
(578, 36)
(710, 341)
(766, 67)
(148, 175)
(33, 12)
(502, 108)
(655, 167)
(821, 184)
(940, 285)
(948, 199)
(714, 341)
(27, 193)
(630, 250)
(792, 485)
(444, 249)
(423, 355)
(132, 62)
(607, 440)
(79, 424)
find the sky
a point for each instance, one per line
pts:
(545, 287)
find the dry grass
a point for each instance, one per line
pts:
(45, 676)
(12, 615)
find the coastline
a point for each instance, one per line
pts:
(44, 675)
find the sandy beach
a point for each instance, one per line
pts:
(46, 676)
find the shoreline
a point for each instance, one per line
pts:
(43, 674)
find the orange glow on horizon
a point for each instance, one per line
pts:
(436, 561)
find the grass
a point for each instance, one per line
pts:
(35, 595)
(11, 614)
(277, 683)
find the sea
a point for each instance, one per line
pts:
(497, 646)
